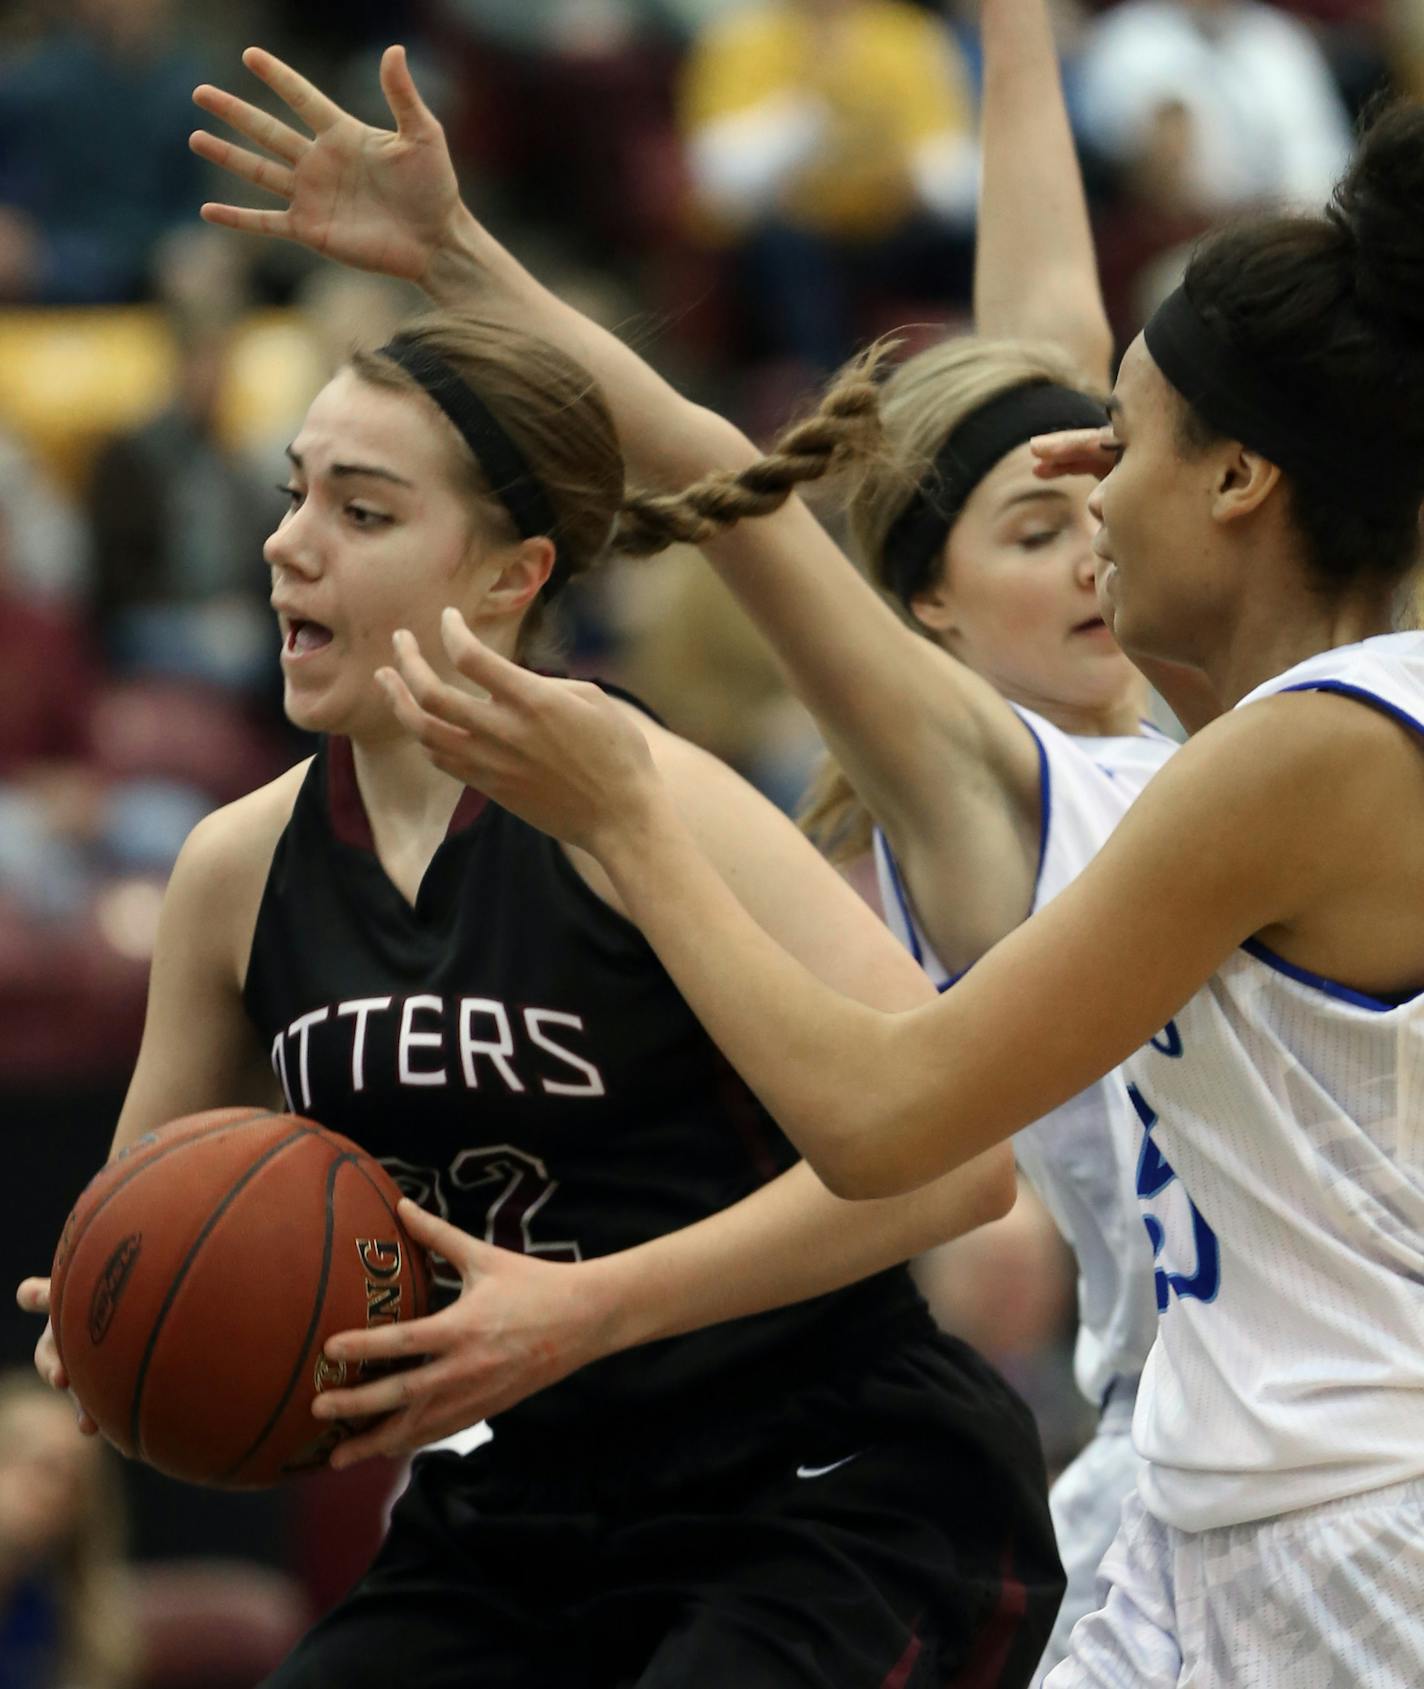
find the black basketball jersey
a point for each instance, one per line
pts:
(513, 1052)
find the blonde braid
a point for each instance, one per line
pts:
(844, 429)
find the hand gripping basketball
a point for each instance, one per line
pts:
(517, 1326)
(33, 1297)
(198, 1277)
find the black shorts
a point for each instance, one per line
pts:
(886, 1531)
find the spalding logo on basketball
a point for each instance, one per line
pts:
(110, 1286)
(202, 1272)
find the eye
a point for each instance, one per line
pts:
(294, 495)
(361, 516)
(1039, 539)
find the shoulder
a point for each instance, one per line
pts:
(222, 869)
(237, 840)
(1290, 786)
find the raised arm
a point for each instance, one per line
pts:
(1035, 270)
(895, 710)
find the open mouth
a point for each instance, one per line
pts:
(304, 637)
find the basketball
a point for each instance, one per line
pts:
(199, 1276)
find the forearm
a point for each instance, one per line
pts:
(819, 614)
(787, 1242)
(834, 1073)
(1035, 272)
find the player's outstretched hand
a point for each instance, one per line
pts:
(33, 1298)
(559, 753)
(1075, 451)
(518, 1325)
(375, 199)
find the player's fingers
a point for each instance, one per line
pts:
(389, 1394)
(262, 172)
(399, 1341)
(305, 98)
(246, 219)
(400, 1434)
(402, 96)
(435, 696)
(47, 1361)
(33, 1295)
(443, 741)
(360, 1401)
(502, 679)
(1074, 451)
(249, 120)
(459, 1248)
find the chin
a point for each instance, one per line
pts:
(313, 714)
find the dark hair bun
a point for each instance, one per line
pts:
(1380, 204)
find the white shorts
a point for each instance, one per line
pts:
(1329, 1597)
(1086, 1504)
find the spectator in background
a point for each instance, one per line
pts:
(1226, 104)
(49, 796)
(44, 544)
(93, 165)
(64, 1619)
(830, 144)
(178, 522)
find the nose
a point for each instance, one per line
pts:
(291, 545)
(1085, 561)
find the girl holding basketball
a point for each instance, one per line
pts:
(1250, 941)
(821, 1489)
(994, 777)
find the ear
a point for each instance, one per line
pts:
(933, 608)
(1244, 482)
(524, 569)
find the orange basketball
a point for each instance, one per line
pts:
(199, 1276)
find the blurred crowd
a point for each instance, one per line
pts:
(749, 190)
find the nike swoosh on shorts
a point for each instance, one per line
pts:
(821, 1471)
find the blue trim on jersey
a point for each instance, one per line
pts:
(898, 888)
(1365, 696)
(1045, 809)
(1331, 987)
(1262, 953)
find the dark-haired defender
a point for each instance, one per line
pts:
(1250, 942)
(817, 1492)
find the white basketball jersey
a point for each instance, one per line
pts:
(1081, 1158)
(1282, 1170)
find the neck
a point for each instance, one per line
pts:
(401, 788)
(1261, 643)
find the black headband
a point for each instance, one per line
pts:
(1241, 401)
(507, 470)
(970, 451)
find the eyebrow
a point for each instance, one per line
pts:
(1030, 495)
(339, 470)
